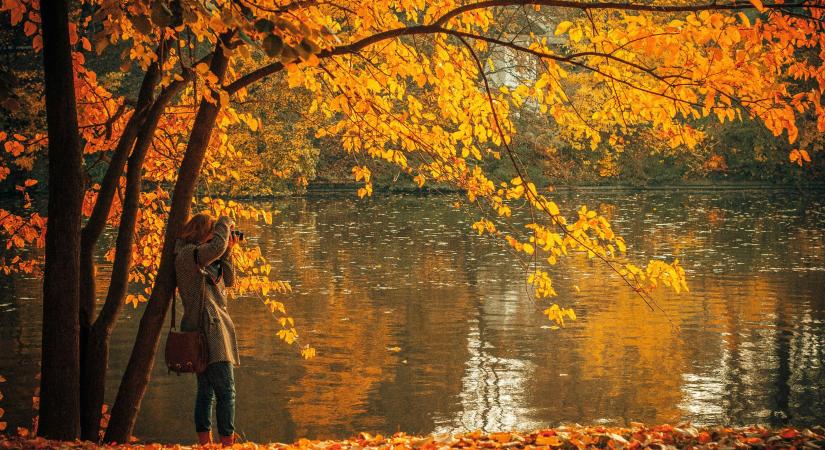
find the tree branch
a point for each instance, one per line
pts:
(436, 26)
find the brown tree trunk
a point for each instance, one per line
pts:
(88, 242)
(96, 354)
(139, 370)
(103, 204)
(60, 360)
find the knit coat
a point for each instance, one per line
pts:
(218, 325)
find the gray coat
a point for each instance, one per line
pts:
(218, 326)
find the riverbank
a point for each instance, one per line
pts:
(700, 185)
(637, 436)
(347, 189)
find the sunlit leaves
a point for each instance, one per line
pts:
(307, 352)
(20, 232)
(799, 156)
(542, 284)
(557, 314)
(427, 103)
(288, 334)
(657, 272)
(562, 27)
(363, 174)
(483, 226)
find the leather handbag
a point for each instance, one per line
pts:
(187, 351)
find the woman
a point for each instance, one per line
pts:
(207, 243)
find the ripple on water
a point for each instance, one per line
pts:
(422, 326)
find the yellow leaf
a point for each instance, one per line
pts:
(373, 85)
(576, 34)
(563, 27)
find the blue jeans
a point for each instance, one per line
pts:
(218, 380)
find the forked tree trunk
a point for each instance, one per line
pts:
(139, 370)
(103, 204)
(95, 360)
(60, 361)
(88, 242)
(94, 228)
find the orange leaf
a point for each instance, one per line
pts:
(795, 157)
(790, 433)
(29, 28)
(758, 4)
(553, 441)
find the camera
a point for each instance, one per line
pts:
(238, 234)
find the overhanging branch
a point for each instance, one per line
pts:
(437, 26)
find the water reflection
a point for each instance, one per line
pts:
(421, 326)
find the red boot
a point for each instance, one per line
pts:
(204, 438)
(228, 441)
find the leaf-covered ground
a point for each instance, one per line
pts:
(564, 438)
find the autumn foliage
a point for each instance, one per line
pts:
(637, 436)
(409, 83)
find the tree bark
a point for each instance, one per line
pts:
(139, 369)
(60, 360)
(88, 242)
(96, 355)
(108, 185)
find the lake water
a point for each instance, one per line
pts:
(421, 326)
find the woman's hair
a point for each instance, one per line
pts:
(197, 228)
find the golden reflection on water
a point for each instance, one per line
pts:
(422, 327)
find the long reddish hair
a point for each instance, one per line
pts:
(197, 229)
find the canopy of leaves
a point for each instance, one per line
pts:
(434, 89)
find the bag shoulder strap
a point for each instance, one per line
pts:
(175, 296)
(203, 291)
(174, 303)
